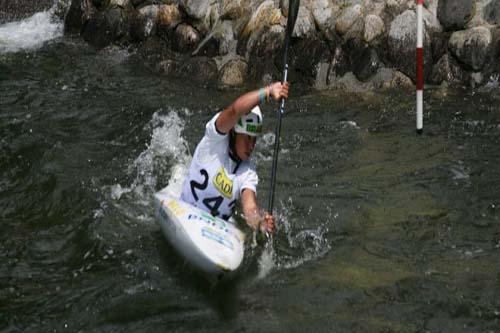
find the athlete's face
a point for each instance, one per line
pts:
(244, 145)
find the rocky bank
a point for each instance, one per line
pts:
(352, 45)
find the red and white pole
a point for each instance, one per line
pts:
(420, 66)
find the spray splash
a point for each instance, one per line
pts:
(166, 157)
(33, 32)
(297, 246)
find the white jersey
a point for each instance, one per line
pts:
(215, 181)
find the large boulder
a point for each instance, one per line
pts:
(375, 7)
(388, 78)
(397, 7)
(186, 38)
(233, 73)
(339, 65)
(455, 14)
(322, 12)
(366, 64)
(402, 41)
(472, 47)
(234, 9)
(226, 37)
(263, 52)
(306, 54)
(144, 23)
(78, 14)
(304, 26)
(169, 16)
(106, 27)
(348, 18)
(491, 12)
(197, 9)
(374, 27)
(264, 16)
(447, 69)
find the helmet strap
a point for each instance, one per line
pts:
(232, 147)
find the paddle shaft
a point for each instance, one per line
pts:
(277, 145)
(293, 9)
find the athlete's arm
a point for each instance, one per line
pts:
(252, 214)
(245, 103)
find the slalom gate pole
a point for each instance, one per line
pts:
(420, 67)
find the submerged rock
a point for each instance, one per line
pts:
(200, 69)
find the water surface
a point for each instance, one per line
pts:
(380, 230)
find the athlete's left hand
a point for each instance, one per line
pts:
(267, 225)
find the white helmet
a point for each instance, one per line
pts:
(251, 123)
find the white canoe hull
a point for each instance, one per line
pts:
(211, 245)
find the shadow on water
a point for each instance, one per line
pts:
(220, 293)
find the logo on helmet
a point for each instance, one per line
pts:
(251, 123)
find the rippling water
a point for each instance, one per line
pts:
(380, 230)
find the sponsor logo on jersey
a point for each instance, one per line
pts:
(223, 183)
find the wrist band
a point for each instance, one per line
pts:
(262, 94)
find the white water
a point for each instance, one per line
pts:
(30, 33)
(166, 154)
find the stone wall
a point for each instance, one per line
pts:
(337, 44)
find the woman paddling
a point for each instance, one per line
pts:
(221, 171)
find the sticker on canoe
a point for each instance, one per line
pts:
(215, 236)
(176, 208)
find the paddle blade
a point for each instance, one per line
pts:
(293, 10)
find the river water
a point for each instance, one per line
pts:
(379, 229)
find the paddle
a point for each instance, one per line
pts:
(293, 9)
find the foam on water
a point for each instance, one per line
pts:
(166, 154)
(298, 247)
(164, 161)
(30, 33)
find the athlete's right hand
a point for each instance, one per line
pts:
(279, 90)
